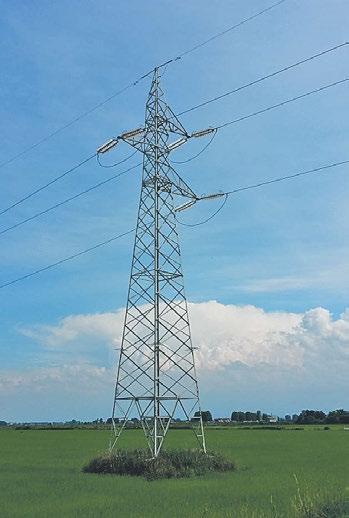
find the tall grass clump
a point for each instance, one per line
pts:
(320, 505)
(169, 464)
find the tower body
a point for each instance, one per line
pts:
(156, 377)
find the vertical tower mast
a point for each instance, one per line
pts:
(156, 374)
(156, 269)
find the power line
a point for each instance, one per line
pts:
(207, 219)
(197, 154)
(107, 166)
(51, 182)
(45, 186)
(263, 78)
(74, 256)
(261, 184)
(288, 177)
(278, 105)
(229, 29)
(67, 200)
(234, 121)
(227, 193)
(254, 114)
(259, 112)
(99, 184)
(73, 121)
(132, 84)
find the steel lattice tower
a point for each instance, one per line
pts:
(156, 371)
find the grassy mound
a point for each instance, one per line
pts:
(169, 464)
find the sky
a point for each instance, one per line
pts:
(268, 275)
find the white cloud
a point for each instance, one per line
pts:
(83, 376)
(246, 357)
(324, 278)
(104, 327)
(224, 334)
(275, 284)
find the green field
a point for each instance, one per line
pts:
(40, 474)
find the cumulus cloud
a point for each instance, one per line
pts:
(92, 328)
(223, 333)
(84, 376)
(323, 340)
(244, 354)
(226, 334)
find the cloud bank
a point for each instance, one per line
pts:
(246, 357)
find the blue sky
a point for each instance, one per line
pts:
(282, 248)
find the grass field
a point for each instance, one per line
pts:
(40, 474)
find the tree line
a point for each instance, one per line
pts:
(340, 416)
(305, 417)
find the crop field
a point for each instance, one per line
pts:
(40, 474)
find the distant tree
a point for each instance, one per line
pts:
(265, 417)
(344, 419)
(205, 414)
(238, 416)
(295, 418)
(288, 418)
(109, 420)
(3, 423)
(311, 417)
(250, 416)
(338, 417)
(259, 415)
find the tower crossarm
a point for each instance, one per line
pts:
(179, 186)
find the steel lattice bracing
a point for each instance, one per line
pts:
(156, 372)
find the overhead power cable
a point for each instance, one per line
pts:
(69, 258)
(51, 182)
(228, 193)
(107, 166)
(209, 218)
(67, 200)
(197, 154)
(262, 184)
(288, 177)
(134, 83)
(73, 121)
(229, 29)
(71, 170)
(99, 184)
(263, 78)
(254, 114)
(278, 105)
(234, 121)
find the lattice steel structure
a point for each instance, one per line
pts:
(156, 374)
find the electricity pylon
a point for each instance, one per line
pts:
(156, 374)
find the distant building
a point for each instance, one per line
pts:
(222, 420)
(269, 418)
